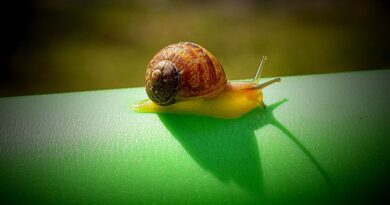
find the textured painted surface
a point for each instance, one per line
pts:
(322, 138)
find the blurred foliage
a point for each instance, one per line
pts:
(65, 45)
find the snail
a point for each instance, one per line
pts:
(186, 78)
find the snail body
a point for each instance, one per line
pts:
(186, 78)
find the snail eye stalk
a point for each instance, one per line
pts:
(263, 85)
(256, 79)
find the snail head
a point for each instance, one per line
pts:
(162, 83)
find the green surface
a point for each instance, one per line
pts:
(323, 139)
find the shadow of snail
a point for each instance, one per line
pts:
(228, 148)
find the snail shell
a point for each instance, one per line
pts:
(183, 70)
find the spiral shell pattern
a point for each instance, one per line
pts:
(200, 73)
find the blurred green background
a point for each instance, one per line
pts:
(69, 45)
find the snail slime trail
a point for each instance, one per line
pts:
(185, 78)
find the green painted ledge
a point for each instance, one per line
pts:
(323, 139)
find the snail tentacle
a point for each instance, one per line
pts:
(263, 85)
(256, 79)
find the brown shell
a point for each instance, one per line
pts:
(200, 73)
